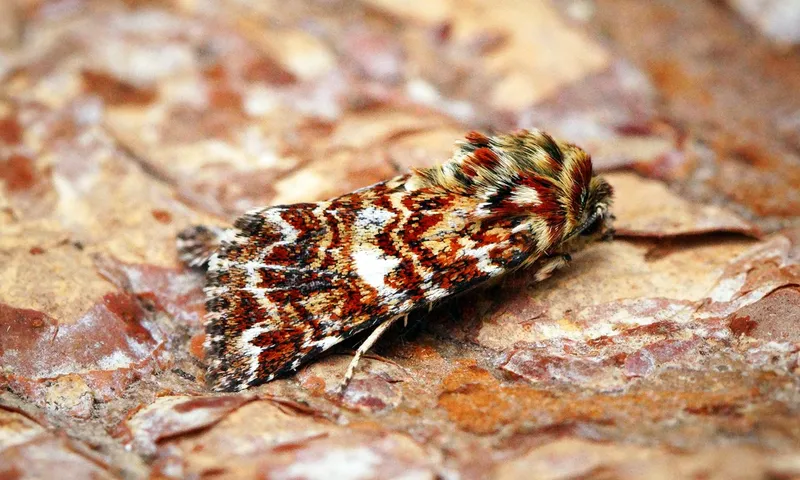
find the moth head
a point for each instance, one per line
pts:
(566, 204)
(594, 215)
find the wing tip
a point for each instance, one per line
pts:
(221, 376)
(230, 370)
(196, 244)
(224, 378)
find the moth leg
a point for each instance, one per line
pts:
(551, 265)
(368, 343)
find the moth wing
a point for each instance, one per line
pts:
(259, 284)
(290, 282)
(197, 244)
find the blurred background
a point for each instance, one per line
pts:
(671, 352)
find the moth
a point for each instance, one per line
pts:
(289, 282)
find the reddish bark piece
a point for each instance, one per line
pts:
(27, 185)
(601, 362)
(222, 98)
(18, 427)
(273, 438)
(372, 394)
(649, 208)
(169, 417)
(108, 347)
(742, 324)
(355, 454)
(162, 216)
(474, 402)
(580, 458)
(115, 91)
(42, 457)
(617, 341)
(176, 291)
(10, 130)
(631, 315)
(644, 361)
(18, 173)
(376, 387)
(768, 189)
(196, 346)
(776, 317)
(758, 272)
(266, 70)
(542, 368)
(235, 445)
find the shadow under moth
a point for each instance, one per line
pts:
(289, 282)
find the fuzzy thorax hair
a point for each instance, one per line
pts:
(549, 185)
